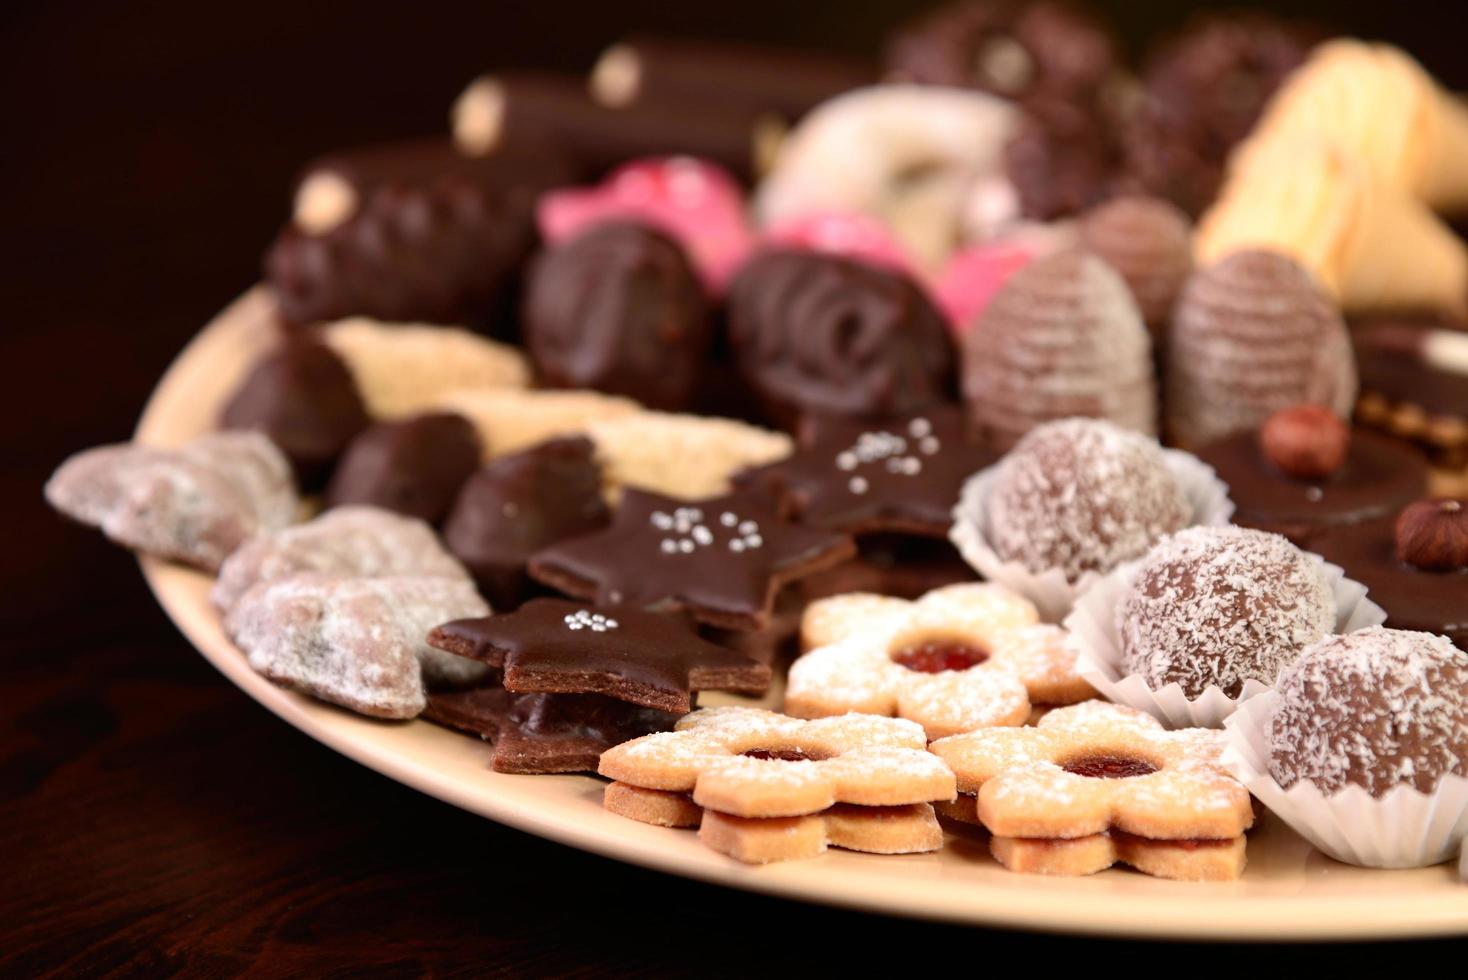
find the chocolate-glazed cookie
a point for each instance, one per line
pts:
(414, 466)
(554, 646)
(818, 333)
(302, 396)
(518, 504)
(619, 309)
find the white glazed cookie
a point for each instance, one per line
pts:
(195, 504)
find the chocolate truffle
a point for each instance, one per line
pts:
(302, 396)
(1374, 476)
(1378, 709)
(1217, 606)
(1063, 159)
(1413, 565)
(818, 333)
(1061, 338)
(1013, 49)
(1253, 333)
(445, 252)
(1082, 495)
(619, 309)
(414, 466)
(1202, 92)
(518, 504)
(1149, 242)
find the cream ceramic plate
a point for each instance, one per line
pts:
(1288, 891)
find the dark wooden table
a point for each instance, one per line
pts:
(153, 819)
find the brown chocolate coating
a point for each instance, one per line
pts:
(786, 83)
(302, 396)
(1435, 602)
(1378, 708)
(1380, 476)
(555, 646)
(544, 733)
(1064, 159)
(518, 504)
(1394, 357)
(892, 564)
(818, 333)
(1008, 47)
(414, 466)
(619, 309)
(446, 250)
(1203, 90)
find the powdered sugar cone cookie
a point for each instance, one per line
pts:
(753, 763)
(683, 456)
(960, 658)
(1052, 592)
(403, 368)
(907, 829)
(510, 420)
(1361, 748)
(1095, 627)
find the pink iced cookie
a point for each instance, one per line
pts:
(694, 202)
(972, 277)
(852, 236)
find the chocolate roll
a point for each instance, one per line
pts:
(819, 333)
(414, 466)
(784, 83)
(332, 187)
(505, 113)
(619, 309)
(303, 398)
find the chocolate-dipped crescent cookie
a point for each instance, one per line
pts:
(619, 309)
(819, 333)
(413, 466)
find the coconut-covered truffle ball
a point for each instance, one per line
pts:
(1217, 606)
(1377, 708)
(1082, 495)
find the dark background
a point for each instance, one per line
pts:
(152, 818)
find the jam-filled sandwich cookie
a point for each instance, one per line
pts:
(775, 788)
(962, 657)
(1075, 798)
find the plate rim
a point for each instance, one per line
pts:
(1359, 915)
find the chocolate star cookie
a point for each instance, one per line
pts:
(722, 559)
(900, 475)
(556, 646)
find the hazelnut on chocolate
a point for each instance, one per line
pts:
(1432, 535)
(1306, 441)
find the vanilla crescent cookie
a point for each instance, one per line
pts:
(684, 456)
(347, 542)
(509, 420)
(195, 504)
(1126, 788)
(403, 368)
(962, 657)
(748, 762)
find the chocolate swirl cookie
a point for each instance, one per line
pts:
(619, 309)
(818, 333)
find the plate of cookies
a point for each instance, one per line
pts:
(940, 489)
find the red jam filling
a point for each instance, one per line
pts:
(780, 755)
(937, 656)
(1109, 767)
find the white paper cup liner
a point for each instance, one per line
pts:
(1405, 828)
(1096, 636)
(1049, 590)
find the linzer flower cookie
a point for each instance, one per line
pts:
(402, 368)
(960, 658)
(721, 559)
(753, 763)
(356, 642)
(557, 646)
(195, 504)
(1074, 798)
(348, 542)
(899, 475)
